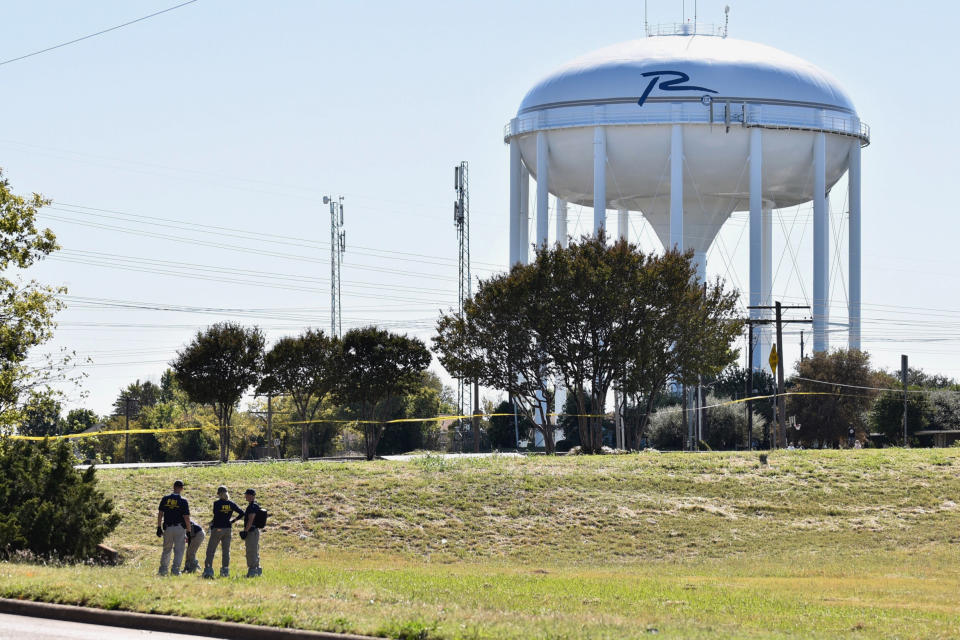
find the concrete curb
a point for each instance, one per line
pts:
(167, 624)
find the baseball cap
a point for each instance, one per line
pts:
(221, 489)
(250, 492)
(178, 483)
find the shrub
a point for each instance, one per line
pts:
(52, 510)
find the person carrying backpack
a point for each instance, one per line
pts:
(255, 518)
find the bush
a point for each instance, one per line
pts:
(51, 509)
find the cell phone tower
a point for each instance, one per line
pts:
(461, 220)
(338, 246)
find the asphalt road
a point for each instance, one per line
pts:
(29, 628)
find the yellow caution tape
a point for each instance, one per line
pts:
(91, 434)
(117, 432)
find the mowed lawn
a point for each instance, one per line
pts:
(815, 544)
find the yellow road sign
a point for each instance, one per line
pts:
(774, 359)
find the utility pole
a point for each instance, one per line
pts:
(801, 346)
(781, 399)
(780, 434)
(461, 220)
(749, 386)
(338, 246)
(904, 370)
(270, 423)
(126, 421)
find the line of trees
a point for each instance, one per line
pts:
(588, 317)
(368, 370)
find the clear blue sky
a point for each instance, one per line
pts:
(241, 115)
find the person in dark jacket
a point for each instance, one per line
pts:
(173, 521)
(220, 530)
(251, 534)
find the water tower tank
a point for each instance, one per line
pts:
(686, 128)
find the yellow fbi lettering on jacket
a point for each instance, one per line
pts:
(225, 508)
(172, 504)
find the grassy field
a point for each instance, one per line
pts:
(860, 544)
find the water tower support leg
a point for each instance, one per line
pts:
(562, 223)
(543, 189)
(623, 224)
(524, 227)
(676, 188)
(821, 246)
(599, 179)
(700, 261)
(514, 227)
(854, 257)
(766, 287)
(756, 230)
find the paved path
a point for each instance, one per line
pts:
(28, 628)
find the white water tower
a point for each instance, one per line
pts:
(686, 126)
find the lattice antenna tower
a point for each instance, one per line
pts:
(338, 246)
(461, 220)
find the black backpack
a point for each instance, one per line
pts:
(260, 518)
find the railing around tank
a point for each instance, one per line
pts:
(686, 29)
(849, 126)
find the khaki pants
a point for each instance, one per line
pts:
(174, 539)
(221, 537)
(195, 541)
(253, 548)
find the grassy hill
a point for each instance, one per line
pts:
(814, 544)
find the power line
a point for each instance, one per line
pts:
(94, 35)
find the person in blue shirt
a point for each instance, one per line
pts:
(173, 522)
(251, 535)
(220, 530)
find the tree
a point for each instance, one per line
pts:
(590, 309)
(427, 398)
(221, 363)
(590, 314)
(26, 307)
(51, 509)
(137, 396)
(377, 369)
(79, 420)
(687, 330)
(497, 343)
(305, 367)
(886, 416)
(41, 416)
(826, 418)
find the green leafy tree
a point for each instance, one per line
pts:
(217, 367)
(886, 416)
(826, 418)
(26, 307)
(306, 368)
(428, 398)
(687, 331)
(51, 509)
(590, 313)
(79, 420)
(378, 368)
(136, 396)
(41, 416)
(496, 342)
(944, 411)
